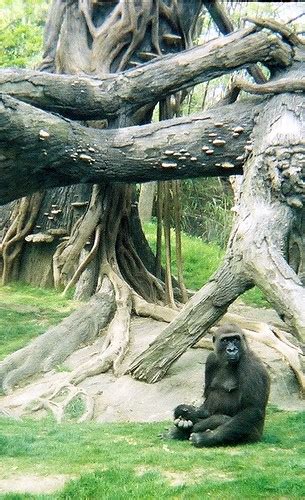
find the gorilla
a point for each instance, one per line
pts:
(236, 392)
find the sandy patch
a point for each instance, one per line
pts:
(32, 483)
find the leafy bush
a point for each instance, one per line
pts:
(21, 32)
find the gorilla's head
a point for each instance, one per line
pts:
(229, 344)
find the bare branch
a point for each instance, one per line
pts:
(82, 97)
(278, 87)
(225, 26)
(286, 31)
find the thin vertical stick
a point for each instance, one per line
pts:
(169, 293)
(159, 228)
(179, 260)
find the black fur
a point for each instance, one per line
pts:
(236, 392)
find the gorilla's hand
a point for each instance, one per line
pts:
(183, 423)
(184, 416)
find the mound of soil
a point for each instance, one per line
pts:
(122, 398)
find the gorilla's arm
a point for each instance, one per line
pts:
(211, 423)
(211, 368)
(246, 426)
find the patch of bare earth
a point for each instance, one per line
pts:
(31, 483)
(184, 478)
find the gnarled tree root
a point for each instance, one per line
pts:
(111, 306)
(52, 348)
(58, 408)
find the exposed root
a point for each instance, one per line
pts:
(146, 309)
(58, 408)
(84, 264)
(57, 398)
(67, 254)
(117, 338)
(24, 216)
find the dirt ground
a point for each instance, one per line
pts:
(122, 398)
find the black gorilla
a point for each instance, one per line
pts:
(236, 392)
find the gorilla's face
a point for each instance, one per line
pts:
(231, 348)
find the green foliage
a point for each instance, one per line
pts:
(26, 312)
(206, 210)
(21, 31)
(128, 460)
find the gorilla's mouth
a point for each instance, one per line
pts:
(233, 356)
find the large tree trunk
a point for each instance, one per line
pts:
(271, 203)
(95, 232)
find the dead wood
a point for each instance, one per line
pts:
(225, 26)
(81, 97)
(256, 250)
(277, 87)
(37, 152)
(287, 32)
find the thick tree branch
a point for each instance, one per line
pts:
(287, 32)
(276, 87)
(225, 26)
(89, 98)
(40, 150)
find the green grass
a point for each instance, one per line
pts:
(26, 312)
(200, 261)
(119, 461)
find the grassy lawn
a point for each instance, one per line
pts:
(25, 312)
(200, 261)
(120, 461)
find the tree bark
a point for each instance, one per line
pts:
(272, 198)
(40, 150)
(81, 97)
